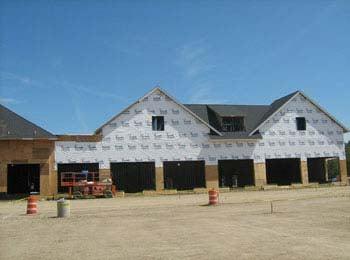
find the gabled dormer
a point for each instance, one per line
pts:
(232, 124)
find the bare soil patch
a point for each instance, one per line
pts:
(306, 224)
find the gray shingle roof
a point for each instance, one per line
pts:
(253, 115)
(13, 126)
(274, 107)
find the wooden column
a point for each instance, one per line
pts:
(45, 184)
(159, 179)
(343, 172)
(304, 173)
(260, 174)
(3, 176)
(211, 176)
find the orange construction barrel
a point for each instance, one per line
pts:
(213, 197)
(32, 205)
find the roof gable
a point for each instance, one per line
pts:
(170, 97)
(324, 111)
(254, 115)
(13, 126)
(278, 104)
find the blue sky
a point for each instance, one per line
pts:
(71, 65)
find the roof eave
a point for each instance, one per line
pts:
(28, 139)
(235, 139)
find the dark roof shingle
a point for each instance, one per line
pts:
(13, 126)
(253, 115)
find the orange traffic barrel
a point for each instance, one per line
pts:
(213, 197)
(32, 205)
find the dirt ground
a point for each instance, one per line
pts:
(306, 224)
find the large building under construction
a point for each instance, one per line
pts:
(159, 143)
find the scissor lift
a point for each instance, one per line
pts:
(82, 184)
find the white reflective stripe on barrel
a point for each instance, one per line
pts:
(32, 205)
(213, 197)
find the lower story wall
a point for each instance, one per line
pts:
(48, 179)
(212, 175)
(29, 152)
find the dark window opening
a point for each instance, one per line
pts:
(233, 124)
(301, 123)
(158, 123)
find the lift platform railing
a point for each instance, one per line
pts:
(71, 179)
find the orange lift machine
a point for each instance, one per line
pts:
(82, 184)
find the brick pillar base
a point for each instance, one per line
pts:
(304, 172)
(343, 172)
(260, 174)
(211, 176)
(159, 179)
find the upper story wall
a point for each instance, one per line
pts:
(322, 137)
(129, 137)
(25, 151)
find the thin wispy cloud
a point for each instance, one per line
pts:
(193, 59)
(30, 82)
(196, 63)
(204, 93)
(74, 92)
(23, 80)
(6, 101)
(93, 92)
(79, 115)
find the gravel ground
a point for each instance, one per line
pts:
(305, 224)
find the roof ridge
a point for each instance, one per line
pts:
(286, 96)
(225, 105)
